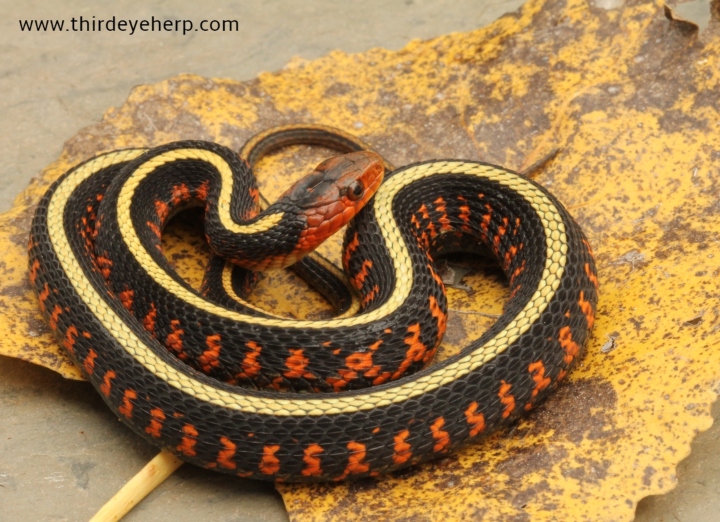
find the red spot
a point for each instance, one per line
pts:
(438, 314)
(202, 191)
(70, 336)
(127, 406)
(537, 369)
(187, 444)
(359, 278)
(356, 460)
(250, 365)
(593, 278)
(370, 295)
(174, 340)
(54, 317)
(416, 352)
(475, 420)
(402, 449)
(155, 229)
(224, 458)
(180, 194)
(209, 358)
(356, 363)
(436, 277)
(312, 461)
(296, 365)
(156, 423)
(89, 363)
(444, 221)
(104, 264)
(587, 309)
(149, 321)
(507, 399)
(106, 385)
(162, 210)
(269, 463)
(571, 347)
(33, 271)
(442, 438)
(126, 298)
(43, 296)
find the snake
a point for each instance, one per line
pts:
(220, 383)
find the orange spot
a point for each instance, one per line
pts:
(54, 317)
(269, 463)
(126, 298)
(438, 314)
(106, 385)
(465, 216)
(350, 250)
(250, 365)
(89, 363)
(33, 271)
(105, 265)
(158, 417)
(402, 448)
(376, 430)
(358, 280)
(356, 459)
(187, 444)
(593, 278)
(507, 399)
(443, 220)
(589, 249)
(519, 270)
(202, 191)
(209, 358)
(149, 321)
(357, 362)
(174, 340)
(162, 210)
(127, 406)
(436, 277)
(155, 229)
(587, 309)
(296, 364)
(43, 296)
(510, 255)
(180, 194)
(475, 419)
(537, 369)
(571, 347)
(70, 336)
(441, 437)
(417, 351)
(312, 461)
(224, 458)
(370, 295)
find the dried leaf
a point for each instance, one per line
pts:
(631, 107)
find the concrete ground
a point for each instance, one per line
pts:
(62, 453)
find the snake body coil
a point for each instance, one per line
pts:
(141, 334)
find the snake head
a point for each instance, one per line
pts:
(332, 195)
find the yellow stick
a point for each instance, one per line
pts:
(150, 477)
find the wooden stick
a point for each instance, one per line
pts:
(150, 477)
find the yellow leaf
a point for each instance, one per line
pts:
(630, 103)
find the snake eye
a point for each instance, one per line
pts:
(355, 191)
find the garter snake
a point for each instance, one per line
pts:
(144, 337)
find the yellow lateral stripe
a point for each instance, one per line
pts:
(301, 405)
